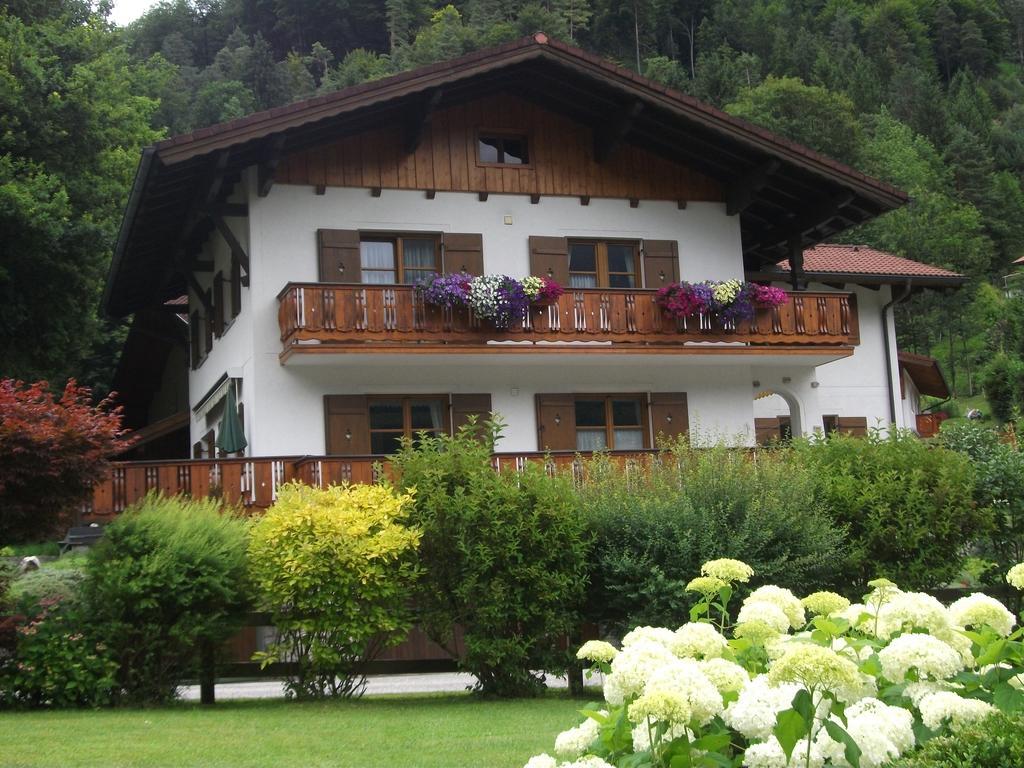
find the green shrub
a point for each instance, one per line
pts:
(168, 576)
(335, 567)
(504, 557)
(1001, 381)
(59, 581)
(908, 506)
(655, 524)
(996, 742)
(999, 469)
(57, 661)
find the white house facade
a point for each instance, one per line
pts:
(297, 236)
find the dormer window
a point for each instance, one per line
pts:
(502, 149)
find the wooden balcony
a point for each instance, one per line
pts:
(331, 318)
(252, 483)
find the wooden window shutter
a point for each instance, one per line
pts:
(339, 256)
(549, 257)
(661, 262)
(670, 418)
(857, 426)
(208, 321)
(193, 330)
(464, 406)
(347, 425)
(463, 253)
(236, 288)
(218, 304)
(556, 422)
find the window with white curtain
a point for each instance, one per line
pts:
(399, 259)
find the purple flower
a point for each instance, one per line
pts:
(446, 290)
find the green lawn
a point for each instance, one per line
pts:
(446, 731)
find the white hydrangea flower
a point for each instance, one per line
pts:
(917, 691)
(1015, 576)
(631, 667)
(979, 610)
(769, 754)
(642, 735)
(818, 668)
(858, 614)
(907, 610)
(760, 620)
(684, 679)
(727, 569)
(825, 603)
(753, 713)
(784, 599)
(576, 741)
(937, 708)
(597, 650)
(931, 657)
(959, 643)
(542, 760)
(724, 674)
(882, 732)
(660, 635)
(590, 761)
(698, 640)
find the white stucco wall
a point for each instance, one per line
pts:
(911, 403)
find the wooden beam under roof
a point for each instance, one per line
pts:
(268, 164)
(744, 190)
(420, 119)
(608, 136)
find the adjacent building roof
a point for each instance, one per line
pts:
(864, 265)
(925, 372)
(785, 194)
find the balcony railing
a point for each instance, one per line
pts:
(253, 483)
(330, 317)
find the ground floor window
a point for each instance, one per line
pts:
(614, 422)
(393, 419)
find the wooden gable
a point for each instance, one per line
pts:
(560, 153)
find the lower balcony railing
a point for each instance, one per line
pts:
(328, 317)
(254, 482)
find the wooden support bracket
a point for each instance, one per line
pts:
(268, 165)
(743, 191)
(416, 127)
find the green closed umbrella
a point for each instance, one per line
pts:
(230, 436)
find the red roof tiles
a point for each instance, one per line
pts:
(864, 260)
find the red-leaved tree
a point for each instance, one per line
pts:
(51, 453)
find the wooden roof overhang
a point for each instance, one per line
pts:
(787, 196)
(926, 374)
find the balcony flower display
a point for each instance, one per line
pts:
(499, 298)
(729, 300)
(447, 290)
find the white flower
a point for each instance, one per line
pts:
(825, 603)
(631, 668)
(576, 741)
(931, 657)
(590, 761)
(979, 610)
(659, 635)
(881, 732)
(907, 610)
(784, 599)
(727, 570)
(725, 675)
(937, 708)
(1015, 576)
(597, 650)
(684, 690)
(917, 691)
(815, 667)
(760, 620)
(769, 754)
(642, 736)
(753, 713)
(858, 614)
(698, 640)
(541, 761)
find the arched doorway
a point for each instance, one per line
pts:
(776, 417)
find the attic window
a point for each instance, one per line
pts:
(502, 149)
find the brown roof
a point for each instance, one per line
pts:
(862, 263)
(925, 372)
(780, 189)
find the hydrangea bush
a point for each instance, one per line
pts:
(728, 300)
(806, 682)
(499, 298)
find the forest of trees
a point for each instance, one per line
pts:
(926, 94)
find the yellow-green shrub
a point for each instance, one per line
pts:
(334, 566)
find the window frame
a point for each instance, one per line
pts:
(601, 263)
(398, 240)
(407, 430)
(609, 417)
(503, 134)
